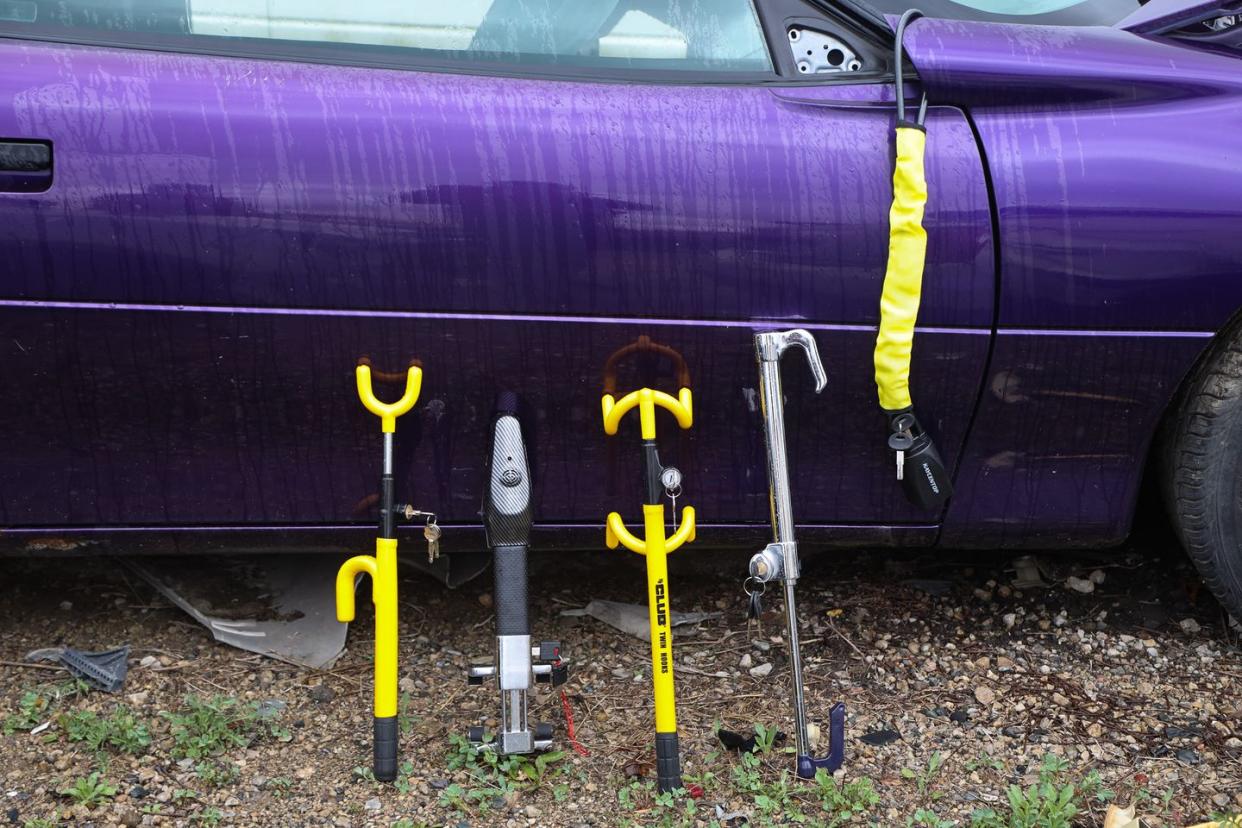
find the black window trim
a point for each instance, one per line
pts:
(367, 56)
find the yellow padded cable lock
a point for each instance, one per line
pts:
(920, 470)
(903, 281)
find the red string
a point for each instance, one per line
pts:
(569, 725)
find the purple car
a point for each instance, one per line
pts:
(210, 210)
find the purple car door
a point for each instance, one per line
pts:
(226, 204)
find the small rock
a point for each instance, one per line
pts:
(485, 600)
(406, 685)
(128, 816)
(747, 662)
(985, 695)
(373, 804)
(1083, 585)
(960, 715)
(138, 699)
(1094, 730)
(66, 605)
(137, 792)
(880, 737)
(760, 645)
(1188, 756)
(1004, 663)
(1059, 699)
(1190, 626)
(983, 663)
(532, 812)
(761, 670)
(304, 773)
(1096, 577)
(439, 784)
(1009, 619)
(322, 693)
(148, 662)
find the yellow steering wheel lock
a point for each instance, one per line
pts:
(382, 567)
(658, 480)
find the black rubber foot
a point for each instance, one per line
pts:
(475, 735)
(543, 732)
(386, 740)
(668, 764)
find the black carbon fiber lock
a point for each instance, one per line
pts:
(921, 472)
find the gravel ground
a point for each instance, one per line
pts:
(958, 684)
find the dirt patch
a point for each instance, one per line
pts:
(935, 655)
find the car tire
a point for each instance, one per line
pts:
(1201, 455)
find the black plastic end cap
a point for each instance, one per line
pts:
(668, 763)
(544, 732)
(387, 738)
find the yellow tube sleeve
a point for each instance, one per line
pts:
(903, 280)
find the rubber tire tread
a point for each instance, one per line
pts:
(1200, 455)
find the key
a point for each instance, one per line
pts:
(754, 607)
(432, 533)
(900, 442)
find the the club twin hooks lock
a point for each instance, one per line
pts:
(382, 567)
(656, 546)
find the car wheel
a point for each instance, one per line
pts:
(1202, 469)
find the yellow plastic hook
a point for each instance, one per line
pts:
(646, 399)
(389, 412)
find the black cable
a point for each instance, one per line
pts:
(899, 60)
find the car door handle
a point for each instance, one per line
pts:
(25, 166)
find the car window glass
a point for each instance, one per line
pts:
(1043, 12)
(712, 35)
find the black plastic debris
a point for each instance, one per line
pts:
(744, 744)
(879, 738)
(105, 670)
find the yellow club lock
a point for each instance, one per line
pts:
(655, 546)
(382, 567)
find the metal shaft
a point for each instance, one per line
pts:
(772, 401)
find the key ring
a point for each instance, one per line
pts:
(763, 587)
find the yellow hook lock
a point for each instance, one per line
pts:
(655, 547)
(382, 567)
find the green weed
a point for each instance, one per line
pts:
(1052, 802)
(842, 801)
(35, 705)
(217, 773)
(923, 778)
(118, 731)
(90, 791)
(205, 728)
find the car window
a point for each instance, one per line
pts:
(697, 35)
(1043, 12)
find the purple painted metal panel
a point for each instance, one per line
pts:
(1061, 438)
(215, 418)
(209, 181)
(506, 232)
(1115, 166)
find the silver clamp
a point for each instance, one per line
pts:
(777, 562)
